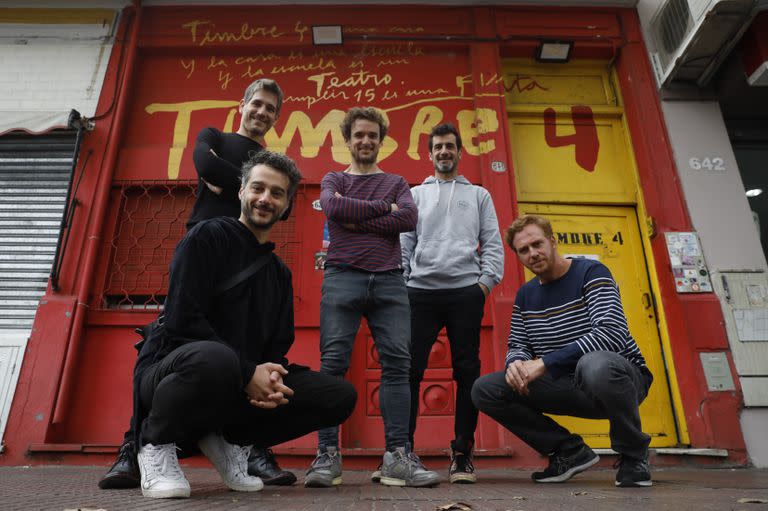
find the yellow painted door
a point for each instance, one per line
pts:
(611, 235)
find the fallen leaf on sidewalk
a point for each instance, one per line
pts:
(455, 506)
(518, 497)
(577, 493)
(748, 500)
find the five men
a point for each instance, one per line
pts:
(367, 209)
(570, 353)
(448, 280)
(215, 373)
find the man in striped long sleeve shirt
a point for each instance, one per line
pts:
(569, 353)
(367, 209)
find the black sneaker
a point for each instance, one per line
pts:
(561, 468)
(124, 472)
(262, 464)
(633, 472)
(462, 470)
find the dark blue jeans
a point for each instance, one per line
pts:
(604, 386)
(347, 296)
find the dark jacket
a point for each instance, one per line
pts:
(254, 318)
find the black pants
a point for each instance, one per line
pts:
(460, 312)
(197, 389)
(605, 386)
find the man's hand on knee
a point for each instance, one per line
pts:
(521, 372)
(266, 388)
(517, 377)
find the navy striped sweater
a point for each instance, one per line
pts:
(576, 314)
(373, 244)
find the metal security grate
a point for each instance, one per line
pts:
(150, 222)
(34, 174)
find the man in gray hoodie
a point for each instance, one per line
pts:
(448, 279)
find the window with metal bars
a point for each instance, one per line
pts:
(151, 220)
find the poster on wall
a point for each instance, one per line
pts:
(687, 262)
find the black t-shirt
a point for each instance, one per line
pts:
(222, 170)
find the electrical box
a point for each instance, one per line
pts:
(744, 300)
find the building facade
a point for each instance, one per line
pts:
(592, 142)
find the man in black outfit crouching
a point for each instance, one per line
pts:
(216, 372)
(218, 159)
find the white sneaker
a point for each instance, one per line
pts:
(231, 461)
(161, 475)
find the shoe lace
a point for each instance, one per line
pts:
(267, 455)
(558, 463)
(240, 458)
(462, 462)
(163, 460)
(324, 459)
(126, 453)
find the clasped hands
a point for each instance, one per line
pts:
(522, 372)
(266, 388)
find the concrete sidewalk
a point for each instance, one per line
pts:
(68, 487)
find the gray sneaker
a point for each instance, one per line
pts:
(325, 471)
(403, 468)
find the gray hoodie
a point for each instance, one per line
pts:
(456, 242)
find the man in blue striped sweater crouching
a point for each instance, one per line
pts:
(569, 353)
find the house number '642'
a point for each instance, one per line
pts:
(713, 164)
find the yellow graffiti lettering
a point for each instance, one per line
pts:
(392, 62)
(360, 30)
(224, 79)
(388, 94)
(247, 32)
(312, 137)
(190, 66)
(216, 62)
(331, 52)
(252, 73)
(192, 26)
(295, 55)
(320, 65)
(356, 64)
(427, 118)
(407, 30)
(473, 123)
(312, 100)
(425, 92)
(407, 50)
(181, 126)
(356, 79)
(229, 124)
(300, 29)
(256, 58)
(461, 81)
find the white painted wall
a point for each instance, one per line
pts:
(48, 70)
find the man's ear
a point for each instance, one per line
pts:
(240, 106)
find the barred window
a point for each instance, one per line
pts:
(152, 217)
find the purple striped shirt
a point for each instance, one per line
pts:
(373, 244)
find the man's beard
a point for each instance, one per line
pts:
(365, 160)
(441, 168)
(250, 214)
